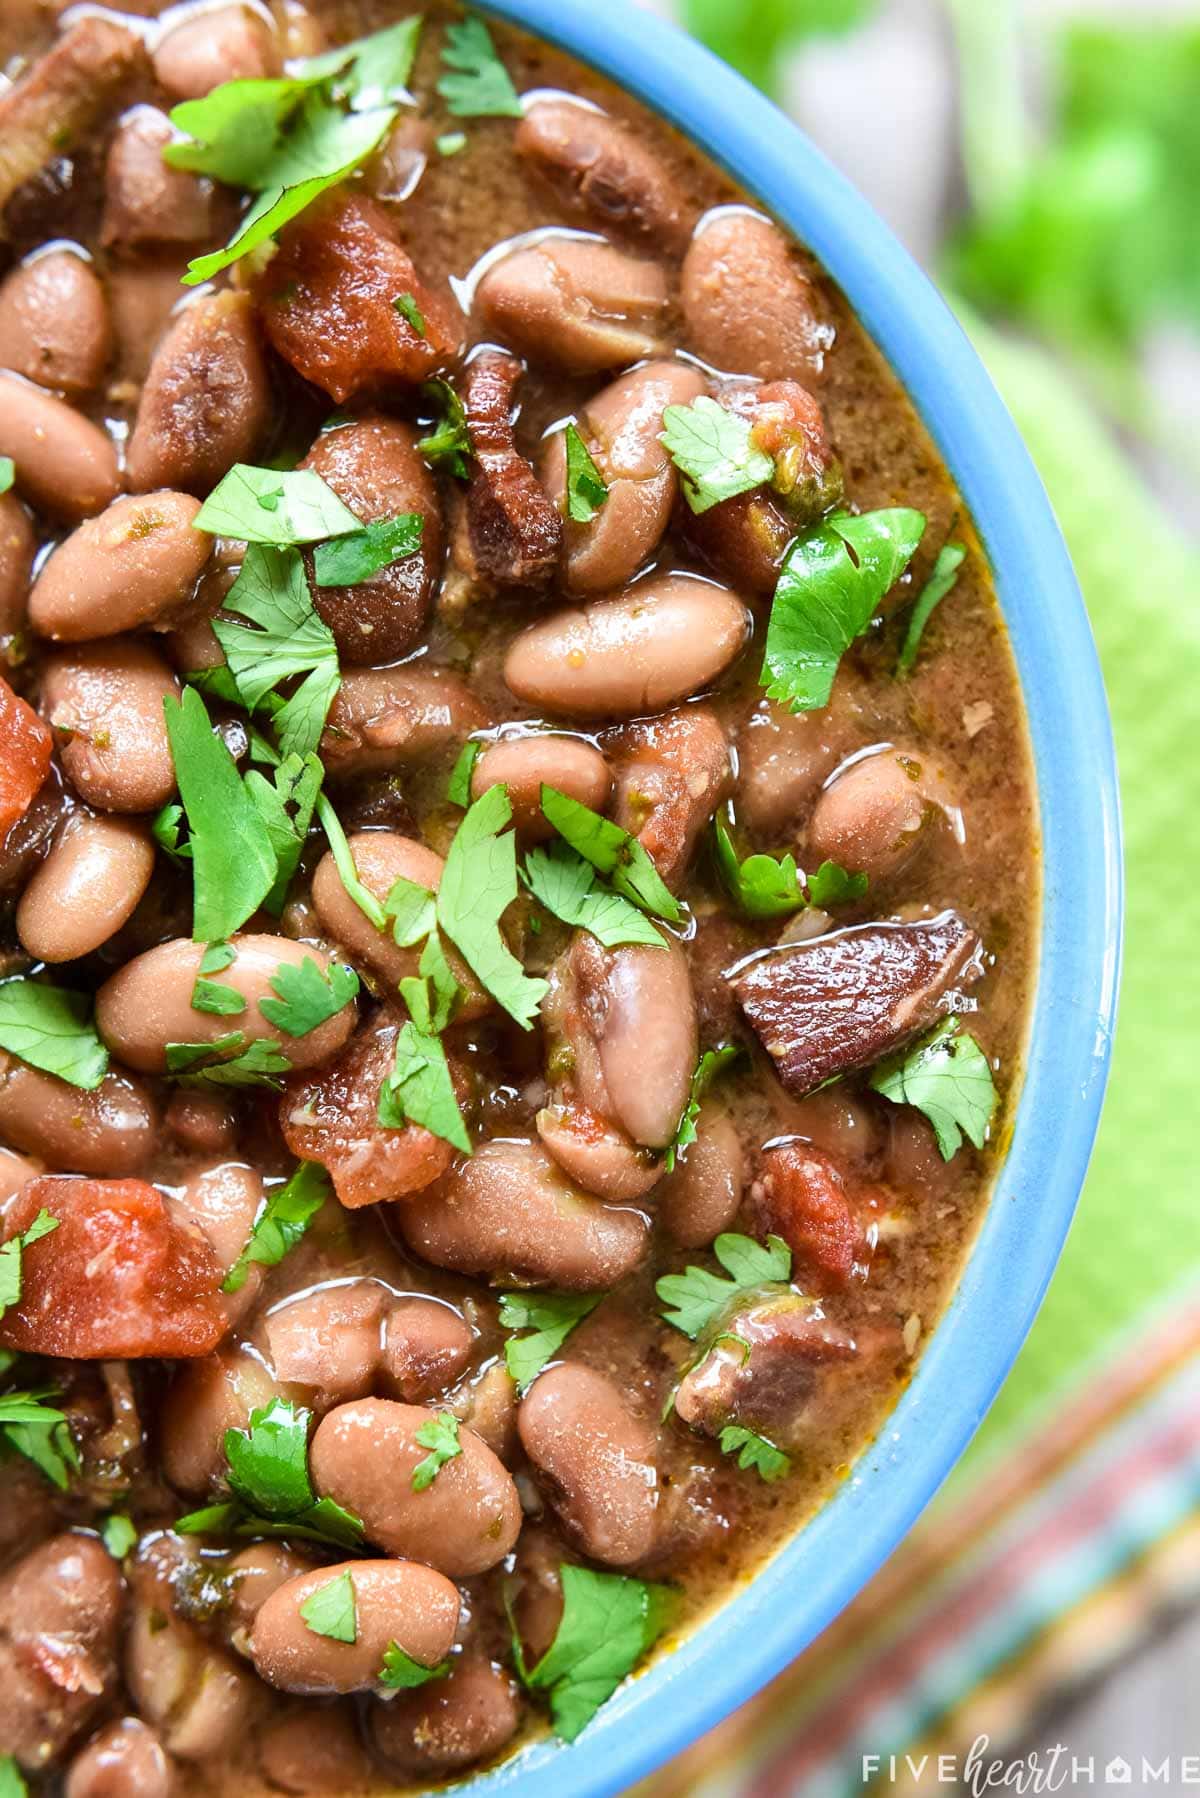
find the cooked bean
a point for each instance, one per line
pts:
(749, 307)
(14, 1171)
(86, 888)
(845, 1124)
(60, 1610)
(873, 817)
(223, 1200)
(16, 561)
(256, 1573)
(597, 167)
(105, 701)
(448, 1723)
(595, 1154)
(671, 774)
(132, 566)
(110, 1130)
(508, 1212)
(208, 1397)
(148, 1003)
(381, 858)
(639, 651)
(365, 1454)
(575, 304)
(330, 1340)
(49, 109)
(372, 464)
(203, 1122)
(395, 172)
(621, 428)
(146, 201)
(230, 43)
(206, 401)
(700, 1198)
(65, 465)
(308, 1751)
(386, 718)
(596, 1459)
(426, 1346)
(54, 323)
(126, 1760)
(783, 757)
(142, 296)
(396, 1601)
(544, 758)
(488, 1402)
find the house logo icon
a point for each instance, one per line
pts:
(1118, 1772)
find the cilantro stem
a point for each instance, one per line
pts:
(366, 902)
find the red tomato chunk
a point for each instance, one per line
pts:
(24, 756)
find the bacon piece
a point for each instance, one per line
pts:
(510, 533)
(801, 1195)
(119, 1278)
(789, 1339)
(327, 299)
(24, 757)
(841, 1001)
(47, 112)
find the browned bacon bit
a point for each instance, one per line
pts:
(800, 1194)
(119, 1278)
(841, 1001)
(671, 773)
(71, 86)
(332, 1117)
(328, 301)
(762, 1369)
(510, 533)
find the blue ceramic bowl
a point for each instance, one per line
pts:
(818, 1573)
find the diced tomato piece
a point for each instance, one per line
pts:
(118, 1278)
(25, 746)
(801, 1196)
(328, 301)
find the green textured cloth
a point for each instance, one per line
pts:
(1136, 1237)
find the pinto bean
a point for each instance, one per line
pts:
(140, 559)
(622, 427)
(203, 1122)
(146, 201)
(54, 323)
(544, 758)
(700, 1198)
(230, 43)
(488, 1402)
(448, 1723)
(14, 1171)
(749, 306)
(596, 1154)
(110, 1130)
(86, 888)
(596, 1460)
(508, 1212)
(142, 296)
(639, 651)
(307, 1751)
(509, 533)
(255, 1573)
(671, 774)
(105, 701)
(575, 304)
(66, 90)
(844, 1124)
(426, 1346)
(65, 465)
(148, 1003)
(223, 1200)
(126, 1760)
(329, 1340)
(17, 544)
(60, 1610)
(386, 718)
(783, 757)
(208, 1397)
(372, 464)
(396, 1601)
(598, 168)
(206, 401)
(875, 815)
(365, 1454)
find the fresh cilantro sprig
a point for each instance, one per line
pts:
(275, 508)
(608, 1623)
(754, 1451)
(228, 1061)
(829, 586)
(764, 887)
(330, 1610)
(550, 1317)
(286, 804)
(696, 1299)
(269, 1478)
(448, 443)
(402, 1673)
(51, 1028)
(289, 639)
(12, 1784)
(440, 1437)
(233, 861)
(11, 1253)
(215, 996)
(458, 788)
(286, 1213)
(350, 560)
(420, 1089)
(950, 559)
(479, 883)
(710, 1065)
(714, 452)
(947, 1076)
(586, 487)
(119, 1535)
(567, 885)
(831, 884)
(343, 858)
(477, 84)
(31, 1427)
(308, 996)
(612, 852)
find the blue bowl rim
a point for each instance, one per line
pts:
(808, 1582)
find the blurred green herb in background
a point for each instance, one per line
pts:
(755, 35)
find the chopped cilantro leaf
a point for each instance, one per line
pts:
(450, 143)
(832, 885)
(286, 804)
(761, 886)
(287, 1212)
(696, 1298)
(365, 900)
(118, 1534)
(707, 1069)
(372, 71)
(412, 909)
(408, 309)
(51, 1028)
(831, 582)
(477, 84)
(274, 508)
(31, 1427)
(567, 885)
(448, 444)
(608, 1623)
(308, 996)
(10, 1257)
(586, 487)
(12, 1784)
(440, 1437)
(217, 957)
(347, 561)
(551, 1316)
(946, 1075)
(420, 1089)
(714, 452)
(330, 1611)
(458, 790)
(233, 863)
(612, 852)
(754, 1451)
(402, 1673)
(214, 996)
(945, 573)
(8, 473)
(228, 1061)
(479, 883)
(268, 1469)
(290, 639)
(166, 832)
